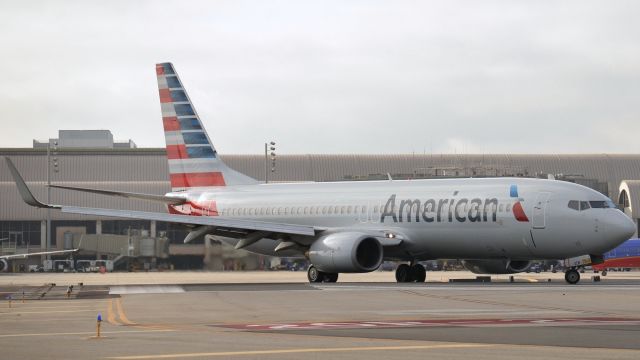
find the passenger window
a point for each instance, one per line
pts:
(507, 208)
(324, 210)
(575, 205)
(501, 208)
(349, 208)
(584, 205)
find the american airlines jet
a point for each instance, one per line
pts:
(496, 225)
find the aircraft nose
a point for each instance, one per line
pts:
(622, 227)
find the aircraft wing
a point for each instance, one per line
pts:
(129, 195)
(230, 224)
(196, 220)
(22, 256)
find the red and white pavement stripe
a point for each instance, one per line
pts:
(438, 322)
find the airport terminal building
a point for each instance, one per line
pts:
(99, 162)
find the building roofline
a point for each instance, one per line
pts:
(162, 151)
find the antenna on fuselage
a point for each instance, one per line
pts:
(389, 177)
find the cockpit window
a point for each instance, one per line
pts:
(584, 205)
(598, 204)
(575, 205)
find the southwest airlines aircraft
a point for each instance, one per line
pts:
(625, 256)
(497, 225)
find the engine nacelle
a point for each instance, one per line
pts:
(496, 266)
(4, 265)
(346, 252)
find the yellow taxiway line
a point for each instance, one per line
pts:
(119, 311)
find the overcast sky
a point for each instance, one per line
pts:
(331, 76)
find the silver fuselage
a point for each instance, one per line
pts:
(470, 218)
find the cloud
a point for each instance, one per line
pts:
(331, 76)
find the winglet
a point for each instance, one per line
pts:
(25, 193)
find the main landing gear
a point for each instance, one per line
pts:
(572, 276)
(316, 276)
(410, 273)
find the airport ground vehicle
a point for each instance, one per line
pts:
(93, 265)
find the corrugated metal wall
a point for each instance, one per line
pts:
(145, 170)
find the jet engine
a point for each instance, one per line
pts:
(496, 266)
(4, 266)
(346, 252)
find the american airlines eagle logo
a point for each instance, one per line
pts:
(518, 211)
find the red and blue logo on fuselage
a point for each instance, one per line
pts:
(518, 211)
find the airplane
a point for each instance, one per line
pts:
(625, 256)
(4, 264)
(497, 225)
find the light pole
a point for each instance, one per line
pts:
(270, 146)
(55, 169)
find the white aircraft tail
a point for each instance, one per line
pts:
(193, 160)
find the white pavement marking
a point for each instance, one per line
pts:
(83, 333)
(302, 351)
(487, 287)
(146, 289)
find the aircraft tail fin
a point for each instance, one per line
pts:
(193, 160)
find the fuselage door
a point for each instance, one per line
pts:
(540, 210)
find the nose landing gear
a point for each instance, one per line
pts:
(572, 276)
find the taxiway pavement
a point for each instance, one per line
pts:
(293, 320)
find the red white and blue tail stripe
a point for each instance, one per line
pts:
(193, 160)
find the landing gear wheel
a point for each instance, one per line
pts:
(314, 275)
(418, 273)
(403, 273)
(604, 272)
(572, 276)
(330, 277)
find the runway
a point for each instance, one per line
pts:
(283, 320)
